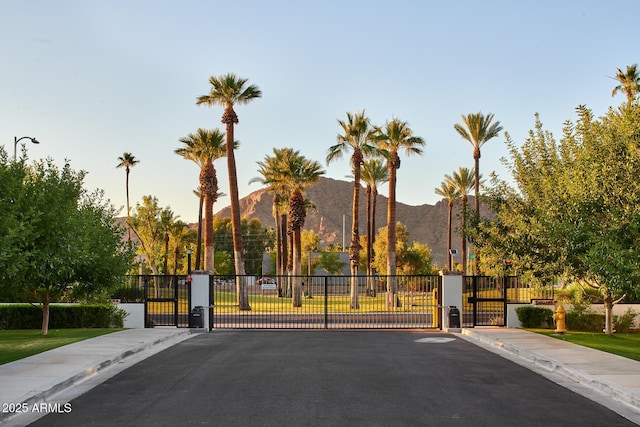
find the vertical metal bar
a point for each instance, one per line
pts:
(146, 304)
(175, 301)
(326, 303)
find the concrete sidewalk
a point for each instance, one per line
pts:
(612, 377)
(35, 379)
(607, 378)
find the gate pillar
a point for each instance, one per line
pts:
(451, 296)
(200, 295)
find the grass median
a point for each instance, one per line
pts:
(21, 343)
(622, 344)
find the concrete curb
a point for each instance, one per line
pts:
(596, 382)
(48, 388)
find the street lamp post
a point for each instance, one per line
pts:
(15, 144)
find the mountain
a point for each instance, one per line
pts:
(426, 224)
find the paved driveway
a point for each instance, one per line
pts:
(330, 378)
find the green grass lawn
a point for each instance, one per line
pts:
(21, 343)
(626, 345)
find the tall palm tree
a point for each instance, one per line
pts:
(275, 172)
(374, 172)
(629, 82)
(202, 148)
(463, 180)
(396, 136)
(477, 129)
(450, 192)
(358, 137)
(302, 172)
(227, 91)
(127, 161)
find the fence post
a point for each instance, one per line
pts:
(451, 296)
(200, 295)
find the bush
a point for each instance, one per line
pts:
(535, 317)
(26, 316)
(624, 322)
(587, 322)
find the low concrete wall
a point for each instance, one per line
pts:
(618, 310)
(135, 315)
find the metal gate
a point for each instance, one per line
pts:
(486, 301)
(327, 302)
(167, 301)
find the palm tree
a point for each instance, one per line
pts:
(127, 161)
(202, 148)
(374, 172)
(463, 180)
(629, 82)
(358, 136)
(477, 129)
(396, 136)
(227, 91)
(450, 192)
(275, 171)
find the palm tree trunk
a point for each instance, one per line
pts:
(476, 204)
(128, 207)
(199, 236)
(354, 249)
(464, 234)
(369, 248)
(449, 235)
(229, 118)
(297, 268)
(208, 235)
(176, 253)
(392, 285)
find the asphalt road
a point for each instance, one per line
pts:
(330, 378)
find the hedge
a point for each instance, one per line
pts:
(27, 316)
(535, 317)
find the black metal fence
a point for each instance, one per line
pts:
(327, 302)
(485, 298)
(166, 298)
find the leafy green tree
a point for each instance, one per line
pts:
(330, 262)
(576, 209)
(229, 90)
(411, 259)
(127, 161)
(150, 221)
(394, 137)
(56, 236)
(258, 240)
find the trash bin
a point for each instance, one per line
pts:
(454, 317)
(196, 317)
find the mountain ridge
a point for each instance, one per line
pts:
(427, 224)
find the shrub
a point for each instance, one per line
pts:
(535, 317)
(624, 322)
(26, 316)
(587, 322)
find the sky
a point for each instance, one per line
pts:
(92, 80)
